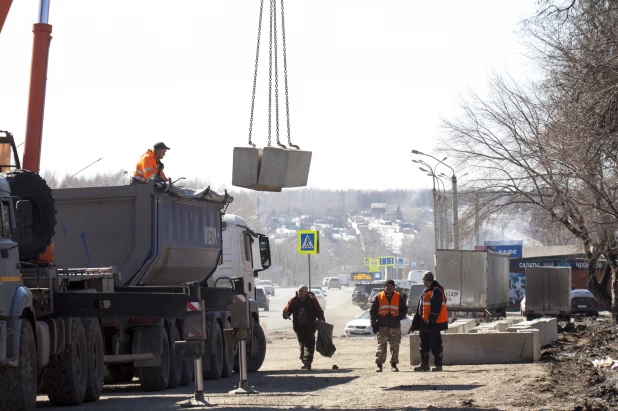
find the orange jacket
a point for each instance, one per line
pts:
(385, 307)
(148, 166)
(442, 316)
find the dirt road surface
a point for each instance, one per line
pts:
(547, 385)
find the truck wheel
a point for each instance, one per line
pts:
(18, 386)
(157, 378)
(67, 374)
(257, 350)
(188, 372)
(95, 354)
(30, 186)
(216, 354)
(228, 360)
(175, 361)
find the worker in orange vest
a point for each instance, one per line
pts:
(150, 166)
(388, 308)
(431, 317)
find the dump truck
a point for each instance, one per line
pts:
(474, 281)
(548, 293)
(129, 292)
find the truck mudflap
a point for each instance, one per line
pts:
(22, 299)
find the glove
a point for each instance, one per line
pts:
(375, 329)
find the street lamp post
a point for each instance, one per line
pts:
(454, 184)
(443, 215)
(434, 194)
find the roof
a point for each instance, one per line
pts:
(551, 251)
(378, 205)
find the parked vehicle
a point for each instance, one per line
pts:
(583, 302)
(416, 275)
(548, 292)
(344, 279)
(333, 282)
(321, 297)
(268, 285)
(262, 298)
(414, 294)
(361, 326)
(474, 281)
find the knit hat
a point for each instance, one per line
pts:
(428, 276)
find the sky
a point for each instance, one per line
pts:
(369, 80)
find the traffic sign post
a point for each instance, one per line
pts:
(308, 243)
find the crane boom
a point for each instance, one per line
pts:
(5, 6)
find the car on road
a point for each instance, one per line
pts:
(414, 294)
(361, 326)
(334, 282)
(268, 286)
(319, 294)
(263, 301)
(583, 302)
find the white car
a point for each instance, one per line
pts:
(361, 326)
(267, 285)
(319, 294)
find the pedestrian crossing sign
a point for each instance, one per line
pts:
(308, 241)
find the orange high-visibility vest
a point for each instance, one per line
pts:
(386, 307)
(442, 316)
(148, 166)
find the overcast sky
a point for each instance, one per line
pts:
(369, 81)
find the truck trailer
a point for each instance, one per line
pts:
(548, 293)
(128, 290)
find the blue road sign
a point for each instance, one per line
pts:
(308, 242)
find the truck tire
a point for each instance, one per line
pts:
(18, 386)
(216, 354)
(188, 372)
(67, 373)
(157, 378)
(95, 353)
(30, 186)
(228, 358)
(257, 350)
(119, 374)
(175, 360)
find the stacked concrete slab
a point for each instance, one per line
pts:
(460, 326)
(500, 342)
(485, 348)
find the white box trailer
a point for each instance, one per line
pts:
(548, 292)
(474, 280)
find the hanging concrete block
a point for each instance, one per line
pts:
(246, 169)
(284, 167)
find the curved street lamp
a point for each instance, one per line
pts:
(454, 185)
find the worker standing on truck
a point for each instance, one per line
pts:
(388, 308)
(306, 310)
(431, 317)
(150, 166)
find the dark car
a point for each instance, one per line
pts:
(414, 294)
(263, 301)
(361, 292)
(583, 302)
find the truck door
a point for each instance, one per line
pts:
(9, 257)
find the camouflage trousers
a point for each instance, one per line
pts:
(388, 336)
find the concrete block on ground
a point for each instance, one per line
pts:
(541, 325)
(460, 326)
(553, 328)
(284, 168)
(537, 341)
(484, 348)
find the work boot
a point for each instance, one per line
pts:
(424, 363)
(379, 369)
(394, 367)
(306, 366)
(437, 360)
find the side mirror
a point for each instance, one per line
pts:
(23, 209)
(264, 251)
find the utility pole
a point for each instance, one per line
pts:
(477, 237)
(455, 216)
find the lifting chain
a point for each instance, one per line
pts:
(272, 49)
(257, 55)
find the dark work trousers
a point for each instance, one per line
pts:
(306, 341)
(431, 341)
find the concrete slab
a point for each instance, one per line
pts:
(553, 328)
(484, 348)
(548, 328)
(460, 326)
(246, 169)
(284, 168)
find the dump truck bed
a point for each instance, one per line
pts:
(151, 238)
